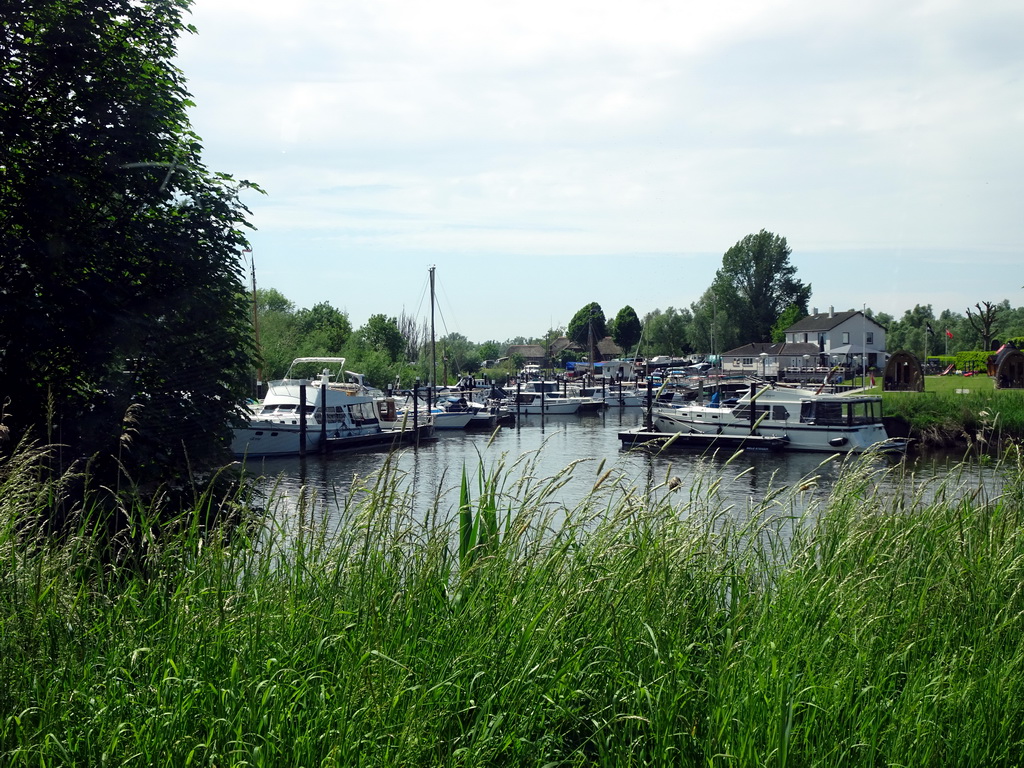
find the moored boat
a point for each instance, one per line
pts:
(806, 420)
(326, 413)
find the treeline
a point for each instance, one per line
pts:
(755, 297)
(387, 350)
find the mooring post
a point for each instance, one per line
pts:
(302, 419)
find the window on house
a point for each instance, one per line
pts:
(748, 361)
(869, 338)
(805, 338)
(846, 337)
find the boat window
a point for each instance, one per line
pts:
(829, 413)
(362, 413)
(780, 413)
(865, 412)
(807, 412)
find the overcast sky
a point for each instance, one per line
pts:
(544, 155)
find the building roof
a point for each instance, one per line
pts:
(607, 347)
(526, 350)
(777, 349)
(562, 343)
(822, 321)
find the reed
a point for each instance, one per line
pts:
(973, 417)
(654, 628)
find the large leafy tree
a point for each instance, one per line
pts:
(626, 328)
(789, 315)
(910, 332)
(666, 332)
(588, 323)
(758, 276)
(381, 334)
(125, 333)
(323, 329)
(715, 325)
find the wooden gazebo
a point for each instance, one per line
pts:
(903, 374)
(1010, 369)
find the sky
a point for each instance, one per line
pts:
(545, 155)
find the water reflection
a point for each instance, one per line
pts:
(542, 448)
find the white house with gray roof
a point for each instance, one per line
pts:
(820, 340)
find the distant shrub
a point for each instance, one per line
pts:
(972, 360)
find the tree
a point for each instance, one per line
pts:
(984, 320)
(789, 316)
(125, 333)
(324, 330)
(626, 328)
(715, 326)
(587, 324)
(760, 276)
(665, 333)
(415, 335)
(278, 333)
(910, 332)
(381, 334)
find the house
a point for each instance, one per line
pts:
(532, 354)
(604, 349)
(820, 340)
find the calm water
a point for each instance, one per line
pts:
(432, 473)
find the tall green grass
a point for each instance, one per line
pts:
(655, 628)
(978, 418)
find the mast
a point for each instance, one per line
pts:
(433, 351)
(256, 323)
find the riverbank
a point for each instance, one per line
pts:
(640, 629)
(960, 412)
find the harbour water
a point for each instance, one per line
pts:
(430, 475)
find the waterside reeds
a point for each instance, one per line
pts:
(874, 627)
(977, 417)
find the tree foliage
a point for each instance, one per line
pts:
(666, 332)
(910, 332)
(324, 330)
(789, 315)
(125, 334)
(714, 327)
(757, 282)
(626, 328)
(588, 323)
(381, 334)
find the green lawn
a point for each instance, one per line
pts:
(943, 385)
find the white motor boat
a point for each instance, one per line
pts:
(806, 420)
(299, 414)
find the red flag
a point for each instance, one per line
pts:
(949, 333)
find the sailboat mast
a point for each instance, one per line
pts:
(256, 323)
(433, 352)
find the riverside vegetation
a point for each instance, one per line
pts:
(858, 627)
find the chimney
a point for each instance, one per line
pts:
(831, 311)
(814, 310)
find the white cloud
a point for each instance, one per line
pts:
(600, 131)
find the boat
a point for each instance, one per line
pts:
(612, 394)
(533, 398)
(325, 414)
(481, 415)
(806, 420)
